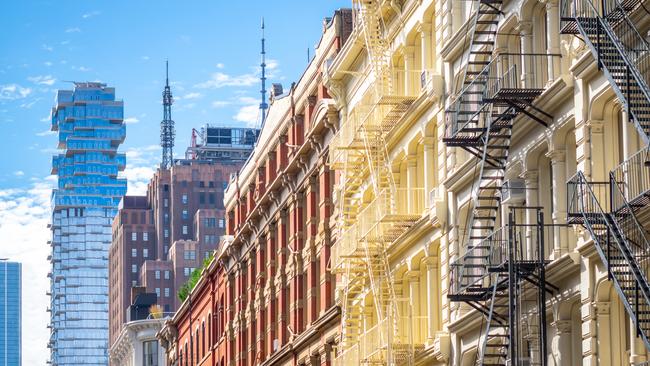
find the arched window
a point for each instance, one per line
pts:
(203, 339)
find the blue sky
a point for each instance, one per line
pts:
(213, 50)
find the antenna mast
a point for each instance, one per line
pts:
(167, 132)
(263, 106)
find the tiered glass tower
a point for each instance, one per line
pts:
(90, 125)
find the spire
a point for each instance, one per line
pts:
(263, 106)
(167, 125)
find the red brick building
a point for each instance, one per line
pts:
(160, 238)
(267, 298)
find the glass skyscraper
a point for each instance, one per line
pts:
(90, 127)
(10, 310)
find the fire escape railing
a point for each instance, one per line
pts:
(619, 49)
(620, 241)
(633, 179)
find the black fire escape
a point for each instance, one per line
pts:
(496, 90)
(610, 210)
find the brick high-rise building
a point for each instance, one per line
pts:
(160, 238)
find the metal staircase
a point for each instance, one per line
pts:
(494, 277)
(371, 215)
(620, 240)
(496, 89)
(621, 52)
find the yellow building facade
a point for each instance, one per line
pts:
(490, 162)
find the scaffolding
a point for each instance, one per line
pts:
(496, 90)
(373, 211)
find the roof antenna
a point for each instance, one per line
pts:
(167, 124)
(263, 106)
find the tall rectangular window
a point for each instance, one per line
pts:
(166, 291)
(166, 233)
(134, 236)
(184, 229)
(145, 253)
(145, 236)
(166, 202)
(134, 252)
(186, 215)
(166, 275)
(184, 199)
(134, 268)
(150, 353)
(158, 291)
(157, 273)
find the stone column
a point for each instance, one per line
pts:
(413, 278)
(563, 342)
(281, 278)
(430, 165)
(559, 215)
(531, 182)
(426, 45)
(412, 183)
(604, 331)
(433, 298)
(638, 353)
(553, 38)
(525, 30)
(410, 75)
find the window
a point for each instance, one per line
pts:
(184, 229)
(157, 275)
(189, 255)
(134, 252)
(166, 291)
(221, 223)
(201, 184)
(186, 271)
(166, 218)
(211, 198)
(166, 202)
(184, 199)
(134, 268)
(134, 283)
(166, 233)
(145, 236)
(166, 275)
(186, 215)
(201, 198)
(145, 253)
(166, 187)
(211, 184)
(134, 236)
(206, 255)
(158, 291)
(150, 353)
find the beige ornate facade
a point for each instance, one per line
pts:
(414, 211)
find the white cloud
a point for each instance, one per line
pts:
(46, 133)
(219, 65)
(13, 91)
(220, 103)
(91, 14)
(73, 30)
(19, 173)
(47, 48)
(247, 100)
(193, 95)
(42, 79)
(28, 105)
(248, 114)
(220, 79)
(24, 214)
(81, 68)
(144, 58)
(131, 120)
(47, 63)
(141, 163)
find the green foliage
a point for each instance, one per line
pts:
(185, 290)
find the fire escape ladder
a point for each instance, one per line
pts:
(622, 53)
(503, 277)
(496, 342)
(620, 241)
